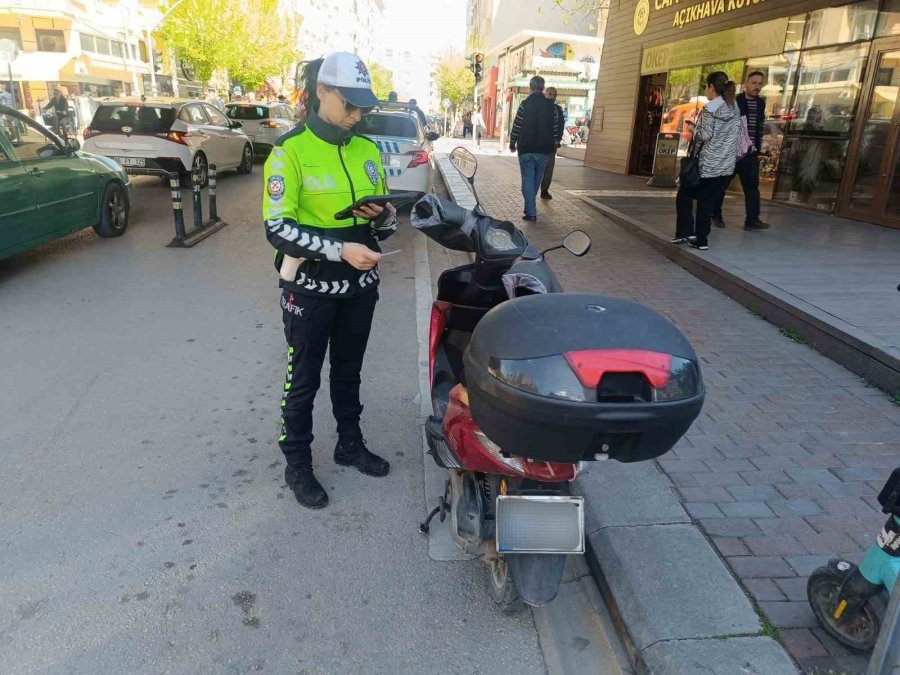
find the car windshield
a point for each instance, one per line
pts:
(141, 118)
(247, 112)
(400, 126)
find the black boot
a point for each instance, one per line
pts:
(308, 491)
(354, 453)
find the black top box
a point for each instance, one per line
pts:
(571, 377)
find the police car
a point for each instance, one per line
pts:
(405, 146)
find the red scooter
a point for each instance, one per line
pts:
(527, 384)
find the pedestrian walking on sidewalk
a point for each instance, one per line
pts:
(753, 109)
(551, 160)
(328, 268)
(478, 125)
(5, 97)
(534, 135)
(717, 133)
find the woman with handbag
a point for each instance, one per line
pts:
(709, 166)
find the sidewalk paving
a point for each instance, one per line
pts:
(782, 468)
(832, 280)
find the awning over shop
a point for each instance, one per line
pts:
(83, 69)
(524, 82)
(36, 66)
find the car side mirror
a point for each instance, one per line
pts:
(234, 124)
(72, 145)
(432, 136)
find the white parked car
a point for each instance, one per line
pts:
(405, 147)
(264, 123)
(159, 136)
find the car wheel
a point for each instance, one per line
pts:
(114, 210)
(200, 166)
(246, 165)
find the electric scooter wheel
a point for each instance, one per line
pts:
(502, 588)
(858, 633)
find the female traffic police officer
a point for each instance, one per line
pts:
(328, 268)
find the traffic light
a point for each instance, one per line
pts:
(477, 66)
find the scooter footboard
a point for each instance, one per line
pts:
(537, 576)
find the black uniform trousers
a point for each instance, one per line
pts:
(312, 325)
(748, 170)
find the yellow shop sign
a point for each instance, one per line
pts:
(762, 39)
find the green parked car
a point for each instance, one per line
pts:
(49, 188)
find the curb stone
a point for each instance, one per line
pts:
(677, 607)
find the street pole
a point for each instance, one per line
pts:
(130, 50)
(154, 91)
(12, 91)
(174, 73)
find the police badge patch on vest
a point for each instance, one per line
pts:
(275, 187)
(372, 172)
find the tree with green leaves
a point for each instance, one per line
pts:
(251, 39)
(593, 11)
(382, 80)
(455, 82)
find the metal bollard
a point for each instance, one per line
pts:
(198, 205)
(213, 211)
(177, 210)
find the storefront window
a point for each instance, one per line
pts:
(779, 73)
(875, 140)
(794, 38)
(683, 102)
(818, 126)
(828, 89)
(839, 25)
(889, 19)
(810, 171)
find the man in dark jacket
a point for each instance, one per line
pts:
(534, 134)
(753, 107)
(551, 160)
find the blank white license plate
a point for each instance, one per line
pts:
(540, 524)
(132, 161)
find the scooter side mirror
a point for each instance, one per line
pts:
(464, 162)
(577, 242)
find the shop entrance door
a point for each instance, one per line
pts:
(871, 186)
(648, 119)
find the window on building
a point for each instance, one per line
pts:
(145, 55)
(87, 43)
(818, 128)
(103, 47)
(794, 37)
(840, 25)
(50, 40)
(118, 49)
(889, 19)
(11, 34)
(827, 90)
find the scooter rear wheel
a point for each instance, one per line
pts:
(502, 588)
(858, 633)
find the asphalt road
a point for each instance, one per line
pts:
(144, 523)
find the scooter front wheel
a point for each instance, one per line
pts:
(502, 588)
(857, 633)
